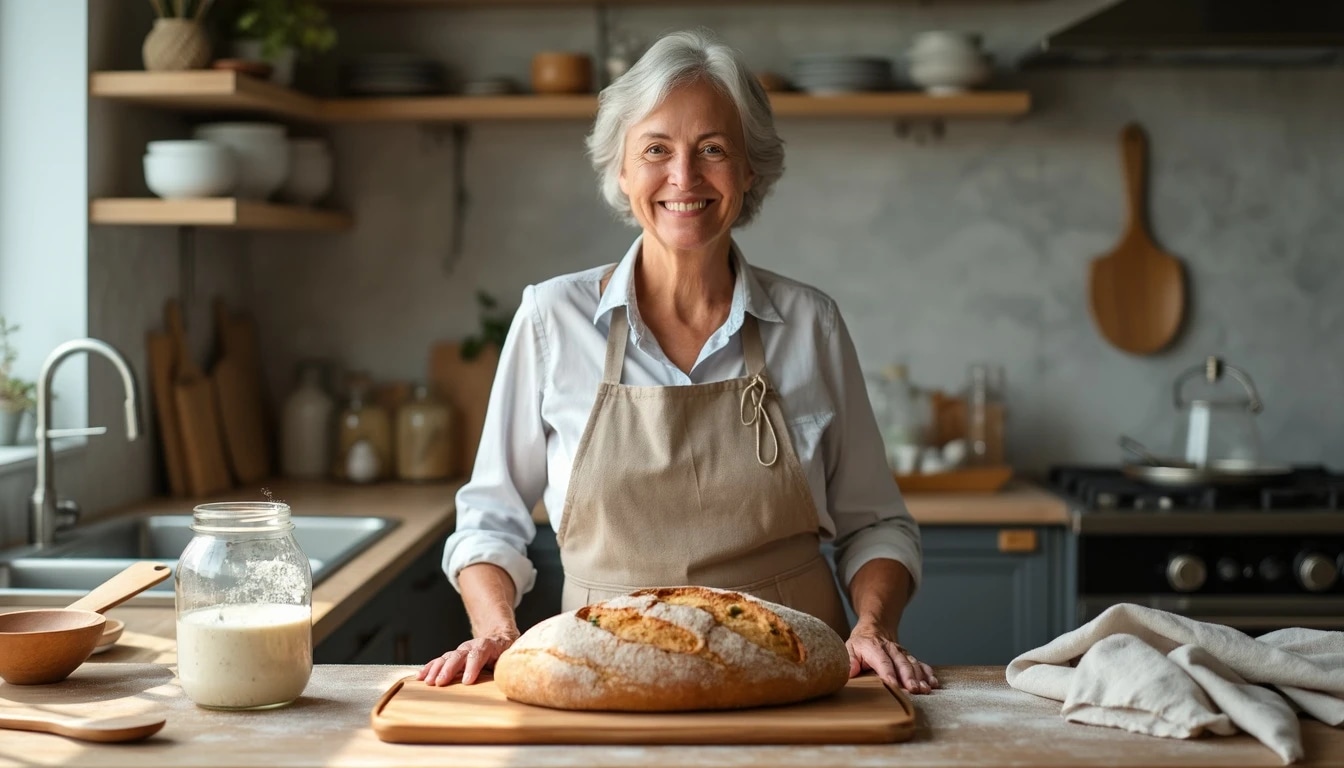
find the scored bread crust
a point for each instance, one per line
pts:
(674, 649)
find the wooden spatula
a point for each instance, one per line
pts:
(1137, 290)
(238, 393)
(197, 415)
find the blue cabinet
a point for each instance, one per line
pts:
(989, 594)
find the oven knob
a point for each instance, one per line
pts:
(1271, 569)
(1315, 572)
(1186, 573)
(1228, 569)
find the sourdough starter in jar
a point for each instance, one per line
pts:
(244, 608)
(245, 656)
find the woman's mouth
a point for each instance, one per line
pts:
(684, 207)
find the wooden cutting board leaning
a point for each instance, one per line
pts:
(1137, 290)
(863, 712)
(238, 391)
(197, 416)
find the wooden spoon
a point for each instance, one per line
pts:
(1137, 290)
(105, 729)
(136, 578)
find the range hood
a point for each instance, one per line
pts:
(1201, 32)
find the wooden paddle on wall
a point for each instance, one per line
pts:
(162, 364)
(1137, 290)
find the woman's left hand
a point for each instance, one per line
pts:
(871, 648)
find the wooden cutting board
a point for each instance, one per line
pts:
(863, 712)
(465, 385)
(238, 391)
(197, 415)
(162, 361)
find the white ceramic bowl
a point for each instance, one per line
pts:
(185, 147)
(310, 171)
(191, 174)
(940, 42)
(263, 155)
(948, 76)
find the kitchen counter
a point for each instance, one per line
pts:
(425, 518)
(424, 515)
(975, 720)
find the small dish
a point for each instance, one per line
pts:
(111, 634)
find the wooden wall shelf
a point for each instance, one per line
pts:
(208, 90)
(216, 212)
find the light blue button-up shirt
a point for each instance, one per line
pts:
(547, 380)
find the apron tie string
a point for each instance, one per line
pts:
(753, 413)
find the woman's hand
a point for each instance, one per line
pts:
(871, 648)
(467, 660)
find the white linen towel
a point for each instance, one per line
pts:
(1162, 674)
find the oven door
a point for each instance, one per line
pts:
(1254, 615)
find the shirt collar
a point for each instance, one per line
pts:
(748, 293)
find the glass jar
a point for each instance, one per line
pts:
(985, 415)
(244, 608)
(363, 440)
(424, 438)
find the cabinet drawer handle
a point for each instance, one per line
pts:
(1017, 540)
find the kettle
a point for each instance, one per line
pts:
(1218, 424)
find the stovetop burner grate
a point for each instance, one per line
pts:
(1108, 488)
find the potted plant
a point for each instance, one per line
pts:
(177, 40)
(16, 395)
(463, 372)
(280, 31)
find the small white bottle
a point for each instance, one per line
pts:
(306, 427)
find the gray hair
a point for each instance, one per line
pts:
(677, 59)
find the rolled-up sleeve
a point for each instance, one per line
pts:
(870, 516)
(494, 517)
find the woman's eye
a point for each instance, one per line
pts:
(712, 150)
(656, 149)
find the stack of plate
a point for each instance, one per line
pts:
(393, 74)
(826, 73)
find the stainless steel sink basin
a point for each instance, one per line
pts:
(90, 555)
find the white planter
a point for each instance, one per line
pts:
(9, 426)
(282, 64)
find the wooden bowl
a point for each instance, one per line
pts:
(560, 72)
(45, 645)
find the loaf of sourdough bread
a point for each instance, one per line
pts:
(674, 649)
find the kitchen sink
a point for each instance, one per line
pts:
(86, 557)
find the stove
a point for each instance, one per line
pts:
(1257, 557)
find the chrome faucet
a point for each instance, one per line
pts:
(45, 506)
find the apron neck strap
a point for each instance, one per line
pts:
(753, 352)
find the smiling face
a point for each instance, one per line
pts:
(685, 168)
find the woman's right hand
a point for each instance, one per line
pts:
(467, 660)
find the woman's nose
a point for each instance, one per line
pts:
(685, 171)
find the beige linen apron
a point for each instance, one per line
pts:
(693, 484)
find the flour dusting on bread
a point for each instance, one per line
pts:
(674, 648)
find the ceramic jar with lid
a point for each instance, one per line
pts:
(306, 426)
(244, 595)
(424, 434)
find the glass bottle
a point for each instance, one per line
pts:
(363, 440)
(244, 608)
(424, 437)
(985, 415)
(306, 426)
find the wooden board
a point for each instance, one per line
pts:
(864, 712)
(238, 392)
(197, 415)
(465, 385)
(968, 480)
(159, 348)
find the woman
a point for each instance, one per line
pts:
(694, 419)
